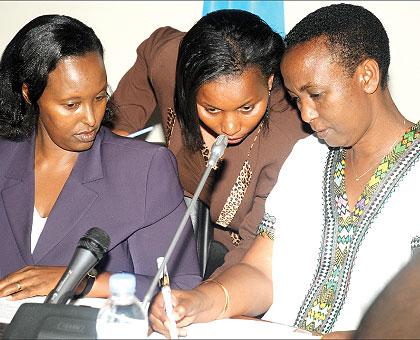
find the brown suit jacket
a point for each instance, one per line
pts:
(150, 84)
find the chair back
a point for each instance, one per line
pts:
(210, 252)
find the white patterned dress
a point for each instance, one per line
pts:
(329, 262)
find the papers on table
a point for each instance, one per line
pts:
(9, 308)
(219, 329)
(242, 329)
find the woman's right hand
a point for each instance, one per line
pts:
(188, 307)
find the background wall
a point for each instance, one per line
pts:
(401, 20)
(122, 25)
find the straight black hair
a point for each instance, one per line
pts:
(225, 42)
(29, 58)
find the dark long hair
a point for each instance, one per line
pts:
(29, 58)
(225, 42)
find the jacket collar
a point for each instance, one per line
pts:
(88, 167)
(73, 202)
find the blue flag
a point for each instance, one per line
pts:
(272, 12)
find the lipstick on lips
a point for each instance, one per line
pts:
(86, 136)
(235, 140)
(321, 132)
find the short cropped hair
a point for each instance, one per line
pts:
(222, 43)
(29, 58)
(352, 34)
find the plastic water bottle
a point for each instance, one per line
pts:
(122, 316)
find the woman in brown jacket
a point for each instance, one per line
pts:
(221, 77)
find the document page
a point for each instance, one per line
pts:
(219, 329)
(245, 329)
(242, 329)
(9, 308)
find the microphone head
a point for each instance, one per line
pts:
(217, 149)
(221, 140)
(95, 240)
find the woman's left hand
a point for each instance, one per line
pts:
(339, 335)
(30, 281)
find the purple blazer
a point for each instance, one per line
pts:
(126, 187)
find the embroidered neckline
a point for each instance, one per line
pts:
(341, 242)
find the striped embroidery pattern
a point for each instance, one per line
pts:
(344, 230)
(266, 227)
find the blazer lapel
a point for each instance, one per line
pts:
(18, 197)
(74, 201)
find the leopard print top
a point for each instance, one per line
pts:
(239, 188)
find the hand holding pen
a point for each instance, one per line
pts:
(167, 299)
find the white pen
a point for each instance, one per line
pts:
(141, 132)
(167, 299)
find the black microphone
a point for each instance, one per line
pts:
(217, 151)
(89, 251)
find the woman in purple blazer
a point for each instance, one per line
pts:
(62, 173)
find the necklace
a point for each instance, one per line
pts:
(358, 177)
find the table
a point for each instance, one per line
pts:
(235, 328)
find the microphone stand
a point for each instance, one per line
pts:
(217, 151)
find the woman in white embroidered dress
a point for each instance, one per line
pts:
(344, 200)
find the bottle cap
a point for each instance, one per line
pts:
(122, 283)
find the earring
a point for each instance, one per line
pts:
(267, 109)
